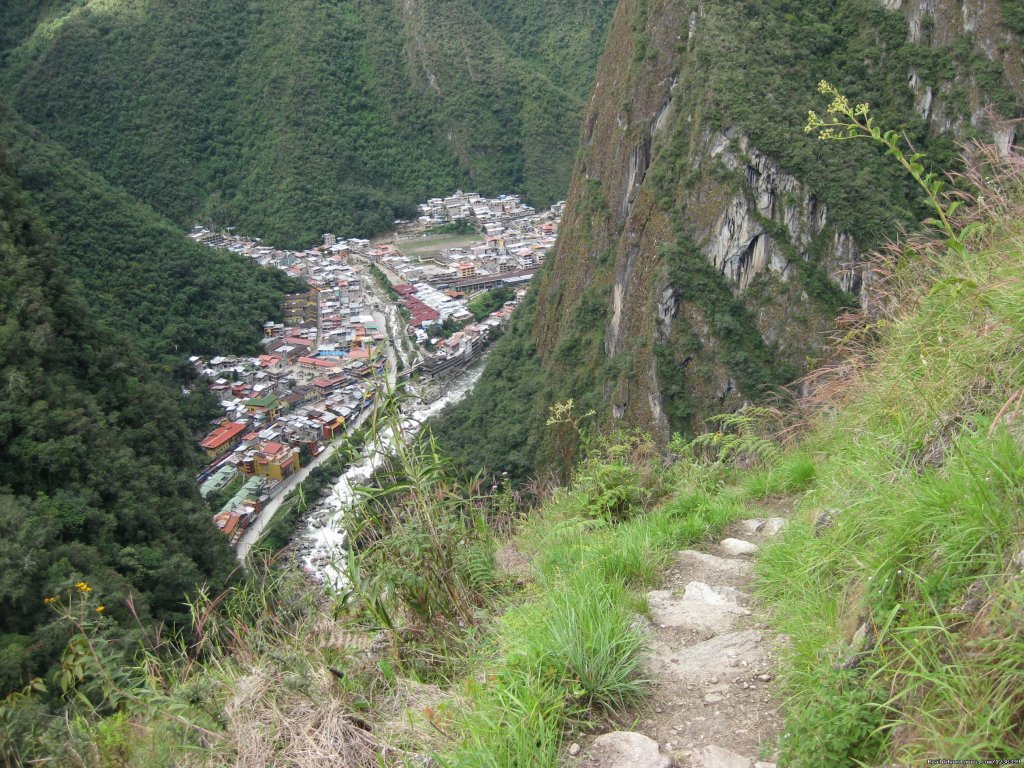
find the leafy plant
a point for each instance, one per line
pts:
(846, 121)
(421, 552)
(739, 437)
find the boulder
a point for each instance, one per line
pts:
(737, 547)
(626, 749)
(718, 757)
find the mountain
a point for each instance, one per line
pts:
(708, 244)
(96, 459)
(171, 296)
(291, 119)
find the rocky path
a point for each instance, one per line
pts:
(712, 663)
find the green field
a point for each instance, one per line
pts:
(425, 246)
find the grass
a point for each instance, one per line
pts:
(792, 474)
(910, 522)
(436, 244)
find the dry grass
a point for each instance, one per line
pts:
(274, 721)
(417, 715)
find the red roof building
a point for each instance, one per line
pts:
(222, 438)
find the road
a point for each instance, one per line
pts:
(252, 535)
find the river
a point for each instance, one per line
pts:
(325, 546)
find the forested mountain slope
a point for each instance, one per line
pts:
(172, 297)
(708, 244)
(291, 119)
(95, 459)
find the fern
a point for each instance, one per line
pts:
(739, 438)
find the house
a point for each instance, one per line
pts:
(274, 460)
(332, 425)
(326, 384)
(222, 439)
(270, 362)
(328, 364)
(268, 405)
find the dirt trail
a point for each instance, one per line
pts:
(712, 662)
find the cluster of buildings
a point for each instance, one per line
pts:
(515, 243)
(491, 214)
(312, 381)
(278, 415)
(427, 305)
(463, 347)
(314, 378)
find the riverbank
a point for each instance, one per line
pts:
(322, 545)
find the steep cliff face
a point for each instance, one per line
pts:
(727, 262)
(983, 26)
(708, 243)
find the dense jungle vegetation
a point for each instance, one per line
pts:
(172, 297)
(289, 120)
(96, 460)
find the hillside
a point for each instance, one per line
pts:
(96, 460)
(142, 276)
(888, 629)
(289, 120)
(707, 247)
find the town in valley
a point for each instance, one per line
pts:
(420, 307)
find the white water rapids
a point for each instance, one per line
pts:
(326, 559)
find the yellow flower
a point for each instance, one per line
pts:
(100, 608)
(49, 600)
(83, 587)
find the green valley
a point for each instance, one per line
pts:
(291, 120)
(690, 437)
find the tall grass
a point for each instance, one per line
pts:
(912, 518)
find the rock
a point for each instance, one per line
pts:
(859, 637)
(860, 647)
(574, 749)
(824, 521)
(698, 591)
(751, 527)
(717, 757)
(737, 547)
(760, 764)
(1018, 559)
(713, 698)
(716, 657)
(626, 749)
(701, 566)
(761, 528)
(669, 611)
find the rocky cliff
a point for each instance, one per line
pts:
(708, 244)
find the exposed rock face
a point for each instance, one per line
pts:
(708, 244)
(739, 244)
(671, 165)
(938, 23)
